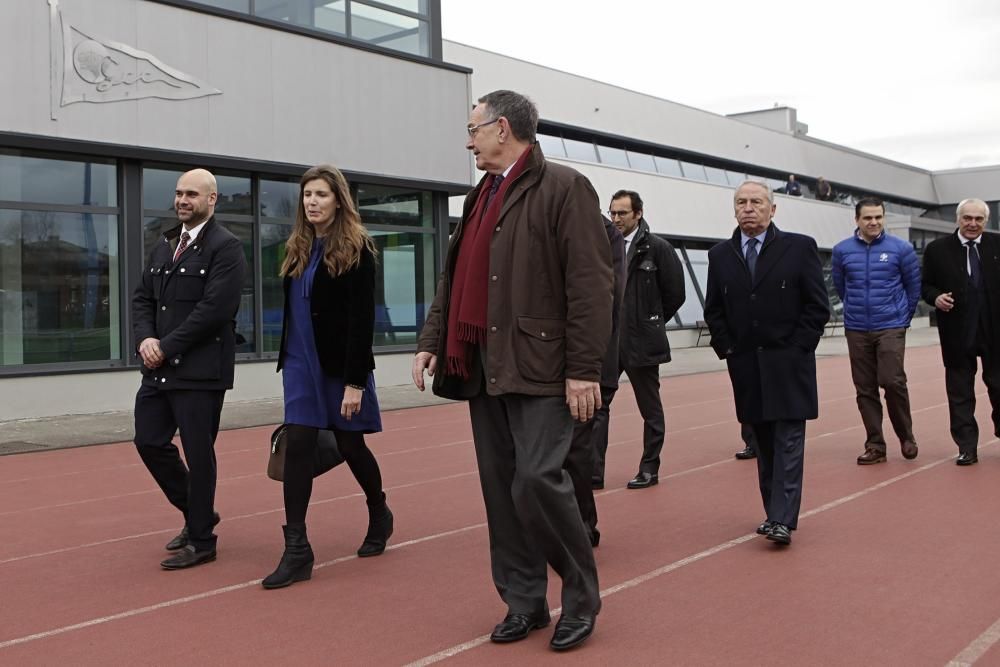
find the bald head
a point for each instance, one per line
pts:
(195, 197)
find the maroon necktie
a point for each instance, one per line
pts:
(185, 238)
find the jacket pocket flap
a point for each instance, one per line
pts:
(542, 328)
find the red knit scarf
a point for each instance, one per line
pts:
(470, 285)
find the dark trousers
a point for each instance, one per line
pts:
(646, 386)
(580, 462)
(877, 361)
(746, 434)
(521, 445)
(300, 464)
(959, 382)
(190, 488)
(780, 454)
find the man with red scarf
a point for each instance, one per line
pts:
(519, 328)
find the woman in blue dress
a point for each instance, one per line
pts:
(327, 362)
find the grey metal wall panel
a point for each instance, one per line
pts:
(285, 97)
(981, 183)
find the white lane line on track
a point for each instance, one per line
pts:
(711, 551)
(465, 646)
(212, 593)
(978, 648)
(251, 515)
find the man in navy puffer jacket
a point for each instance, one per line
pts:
(878, 278)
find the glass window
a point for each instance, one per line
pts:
(40, 180)
(383, 205)
(415, 6)
(159, 186)
(404, 285)
(692, 311)
(279, 198)
(551, 146)
(735, 178)
(59, 286)
(272, 254)
(641, 161)
(613, 156)
(668, 166)
(331, 16)
(385, 28)
(716, 175)
(245, 328)
(580, 150)
(692, 170)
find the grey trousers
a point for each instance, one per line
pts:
(521, 445)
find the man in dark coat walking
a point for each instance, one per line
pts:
(183, 322)
(961, 279)
(766, 306)
(654, 290)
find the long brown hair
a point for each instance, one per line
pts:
(345, 237)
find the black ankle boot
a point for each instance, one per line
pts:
(379, 531)
(297, 561)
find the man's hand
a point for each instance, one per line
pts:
(351, 404)
(583, 399)
(152, 355)
(944, 302)
(423, 361)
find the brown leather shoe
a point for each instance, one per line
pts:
(909, 449)
(870, 457)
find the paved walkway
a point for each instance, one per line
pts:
(78, 430)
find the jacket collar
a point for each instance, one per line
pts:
(878, 239)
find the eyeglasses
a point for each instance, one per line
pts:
(618, 214)
(475, 128)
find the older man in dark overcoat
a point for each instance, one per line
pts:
(766, 306)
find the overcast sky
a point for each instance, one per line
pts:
(915, 81)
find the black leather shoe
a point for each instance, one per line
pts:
(765, 527)
(181, 540)
(779, 533)
(188, 557)
(643, 480)
(516, 627)
(746, 453)
(597, 483)
(571, 631)
(966, 459)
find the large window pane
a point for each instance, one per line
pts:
(668, 166)
(641, 161)
(245, 329)
(331, 16)
(551, 146)
(735, 178)
(279, 199)
(272, 254)
(692, 170)
(692, 311)
(404, 286)
(383, 205)
(716, 175)
(44, 181)
(415, 6)
(612, 156)
(59, 278)
(385, 28)
(580, 150)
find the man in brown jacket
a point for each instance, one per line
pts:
(519, 328)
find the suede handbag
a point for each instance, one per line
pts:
(327, 454)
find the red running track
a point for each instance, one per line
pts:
(894, 564)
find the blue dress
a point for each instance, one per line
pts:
(313, 398)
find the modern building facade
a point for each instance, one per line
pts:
(114, 99)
